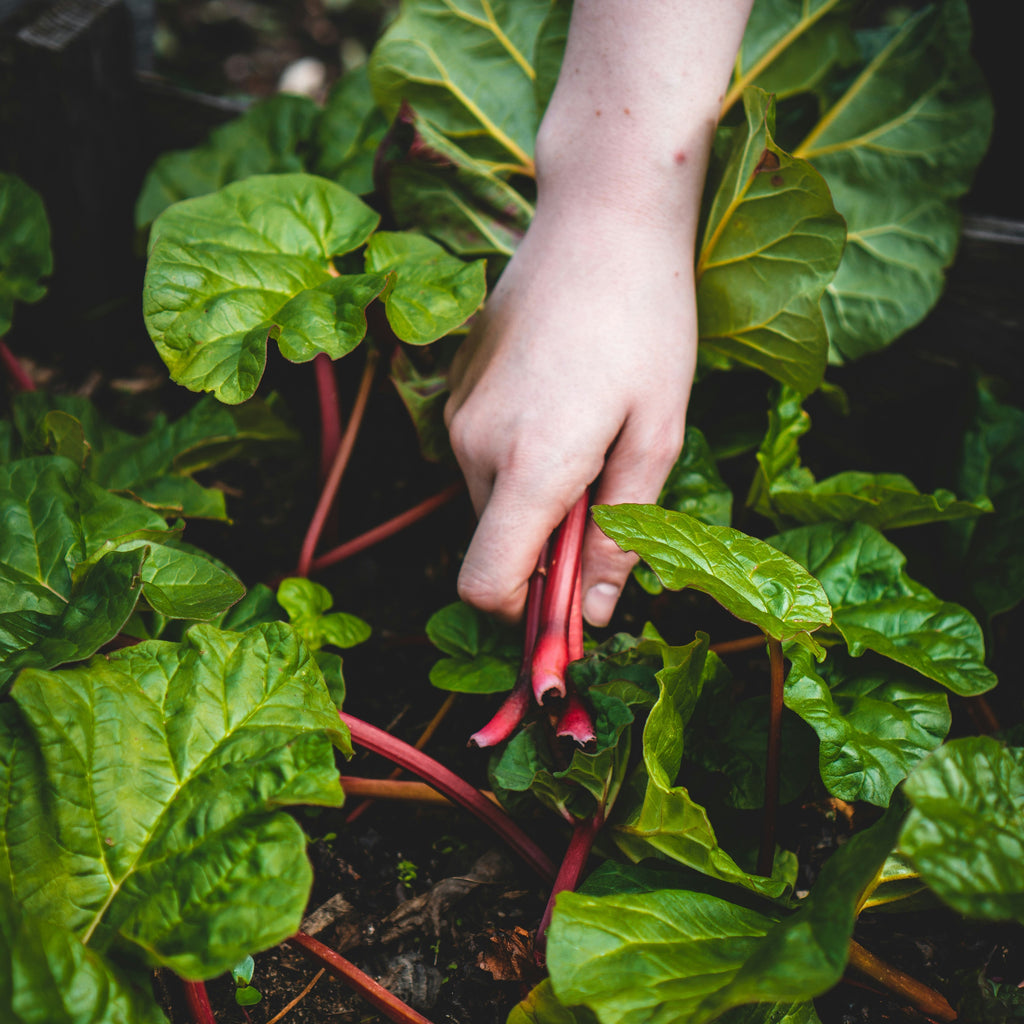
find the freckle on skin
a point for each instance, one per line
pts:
(597, 112)
(625, 110)
(679, 156)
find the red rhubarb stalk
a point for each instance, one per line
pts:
(453, 787)
(766, 856)
(390, 1005)
(551, 653)
(576, 722)
(330, 411)
(517, 703)
(199, 1003)
(21, 380)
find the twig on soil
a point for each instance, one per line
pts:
(341, 457)
(298, 999)
(199, 1002)
(766, 856)
(391, 1006)
(909, 990)
(387, 529)
(19, 376)
(452, 786)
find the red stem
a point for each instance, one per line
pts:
(199, 1002)
(766, 857)
(584, 833)
(391, 1006)
(330, 411)
(576, 722)
(551, 653)
(453, 787)
(744, 643)
(341, 458)
(19, 376)
(388, 529)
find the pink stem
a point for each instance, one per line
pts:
(551, 653)
(584, 833)
(575, 722)
(199, 1003)
(388, 529)
(341, 458)
(330, 411)
(453, 787)
(391, 1006)
(766, 856)
(517, 703)
(19, 377)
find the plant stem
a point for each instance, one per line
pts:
(575, 722)
(744, 643)
(298, 999)
(199, 1002)
(341, 457)
(452, 786)
(584, 833)
(330, 411)
(766, 857)
(982, 715)
(388, 529)
(551, 652)
(398, 789)
(19, 377)
(911, 991)
(391, 1006)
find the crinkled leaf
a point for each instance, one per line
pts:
(48, 977)
(745, 575)
(671, 955)
(424, 396)
(772, 243)
(772, 1013)
(965, 833)
(467, 68)
(694, 486)
(348, 133)
(483, 655)
(439, 189)
(432, 293)
(778, 456)
(917, 117)
(789, 46)
(877, 607)
(231, 271)
(541, 1007)
(25, 256)
(307, 604)
(269, 138)
(897, 882)
(142, 795)
(182, 584)
(875, 723)
(993, 464)
(549, 50)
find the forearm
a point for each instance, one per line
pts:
(630, 125)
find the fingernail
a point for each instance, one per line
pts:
(599, 603)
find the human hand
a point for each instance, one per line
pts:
(578, 369)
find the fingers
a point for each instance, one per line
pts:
(636, 470)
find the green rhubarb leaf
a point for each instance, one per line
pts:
(231, 271)
(789, 46)
(965, 833)
(992, 463)
(424, 396)
(348, 132)
(897, 881)
(432, 293)
(670, 955)
(760, 275)
(483, 656)
(745, 575)
(549, 50)
(48, 977)
(778, 457)
(772, 1013)
(541, 1007)
(268, 138)
(182, 584)
(917, 117)
(142, 795)
(25, 256)
(439, 189)
(467, 68)
(875, 722)
(307, 604)
(877, 607)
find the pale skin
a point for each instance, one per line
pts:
(578, 370)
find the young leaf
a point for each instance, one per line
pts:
(231, 271)
(675, 955)
(916, 117)
(745, 575)
(965, 833)
(307, 604)
(467, 69)
(541, 1007)
(874, 723)
(142, 794)
(760, 275)
(267, 139)
(432, 293)
(424, 396)
(483, 656)
(25, 255)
